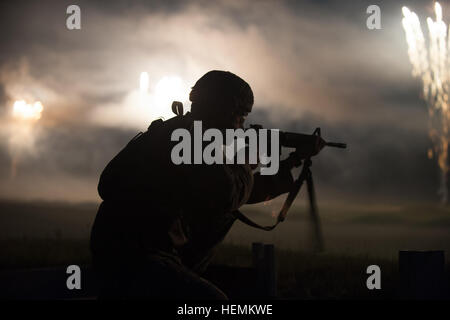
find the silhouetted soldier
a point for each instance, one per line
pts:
(159, 222)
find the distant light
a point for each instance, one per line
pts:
(438, 10)
(168, 89)
(143, 82)
(406, 11)
(26, 111)
(431, 62)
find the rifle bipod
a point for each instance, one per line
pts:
(305, 175)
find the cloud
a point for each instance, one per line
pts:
(66, 163)
(293, 59)
(4, 99)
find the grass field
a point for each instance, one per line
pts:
(39, 234)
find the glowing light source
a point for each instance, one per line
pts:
(158, 98)
(22, 132)
(26, 111)
(143, 82)
(438, 10)
(432, 65)
(168, 89)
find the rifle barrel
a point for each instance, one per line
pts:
(336, 145)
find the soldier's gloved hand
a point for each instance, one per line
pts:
(294, 160)
(307, 151)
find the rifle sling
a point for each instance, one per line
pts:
(306, 172)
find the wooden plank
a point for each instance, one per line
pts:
(270, 271)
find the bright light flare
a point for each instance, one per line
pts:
(143, 82)
(438, 10)
(26, 111)
(169, 89)
(23, 132)
(158, 98)
(431, 63)
(406, 11)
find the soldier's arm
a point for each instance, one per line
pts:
(266, 187)
(222, 186)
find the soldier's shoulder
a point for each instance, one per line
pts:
(170, 124)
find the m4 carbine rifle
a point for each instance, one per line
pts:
(299, 141)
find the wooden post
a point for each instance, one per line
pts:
(270, 270)
(421, 274)
(258, 265)
(265, 268)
